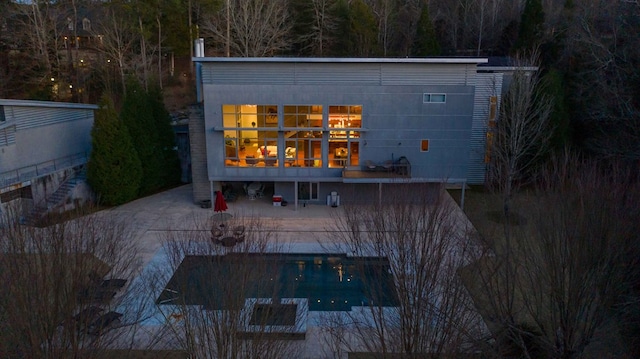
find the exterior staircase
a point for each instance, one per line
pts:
(38, 211)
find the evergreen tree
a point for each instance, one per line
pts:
(559, 119)
(425, 42)
(531, 26)
(170, 170)
(356, 30)
(137, 115)
(303, 27)
(114, 171)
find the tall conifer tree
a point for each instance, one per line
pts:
(137, 114)
(170, 166)
(425, 43)
(531, 26)
(114, 171)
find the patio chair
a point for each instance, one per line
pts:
(238, 233)
(387, 166)
(369, 165)
(260, 191)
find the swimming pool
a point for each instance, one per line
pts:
(331, 282)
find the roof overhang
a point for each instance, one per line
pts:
(50, 104)
(348, 60)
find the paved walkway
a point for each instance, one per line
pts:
(173, 210)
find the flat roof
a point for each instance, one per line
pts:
(50, 104)
(350, 60)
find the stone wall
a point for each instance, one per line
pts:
(198, 144)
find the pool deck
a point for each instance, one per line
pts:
(301, 230)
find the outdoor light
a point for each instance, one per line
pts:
(70, 86)
(52, 79)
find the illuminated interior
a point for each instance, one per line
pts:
(251, 135)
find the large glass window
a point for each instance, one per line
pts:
(251, 134)
(302, 116)
(248, 131)
(344, 123)
(304, 149)
(303, 135)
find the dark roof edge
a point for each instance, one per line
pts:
(408, 60)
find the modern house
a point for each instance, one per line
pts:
(313, 126)
(43, 148)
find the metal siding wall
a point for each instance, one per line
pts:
(338, 73)
(8, 136)
(431, 74)
(31, 117)
(247, 73)
(328, 74)
(488, 84)
(395, 115)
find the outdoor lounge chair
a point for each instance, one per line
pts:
(103, 323)
(369, 165)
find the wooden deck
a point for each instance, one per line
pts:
(360, 173)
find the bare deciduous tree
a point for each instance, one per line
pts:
(257, 28)
(554, 284)
(57, 282)
(324, 24)
(522, 131)
(118, 37)
(422, 237)
(205, 305)
(605, 81)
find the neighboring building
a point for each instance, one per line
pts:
(312, 126)
(43, 147)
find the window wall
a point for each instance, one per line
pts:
(252, 131)
(303, 135)
(344, 135)
(247, 128)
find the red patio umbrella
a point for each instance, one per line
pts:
(220, 204)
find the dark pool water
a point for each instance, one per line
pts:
(331, 282)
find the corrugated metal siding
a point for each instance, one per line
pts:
(432, 74)
(247, 73)
(30, 117)
(8, 136)
(488, 84)
(338, 73)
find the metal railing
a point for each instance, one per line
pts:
(41, 169)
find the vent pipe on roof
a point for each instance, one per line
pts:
(199, 52)
(199, 45)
